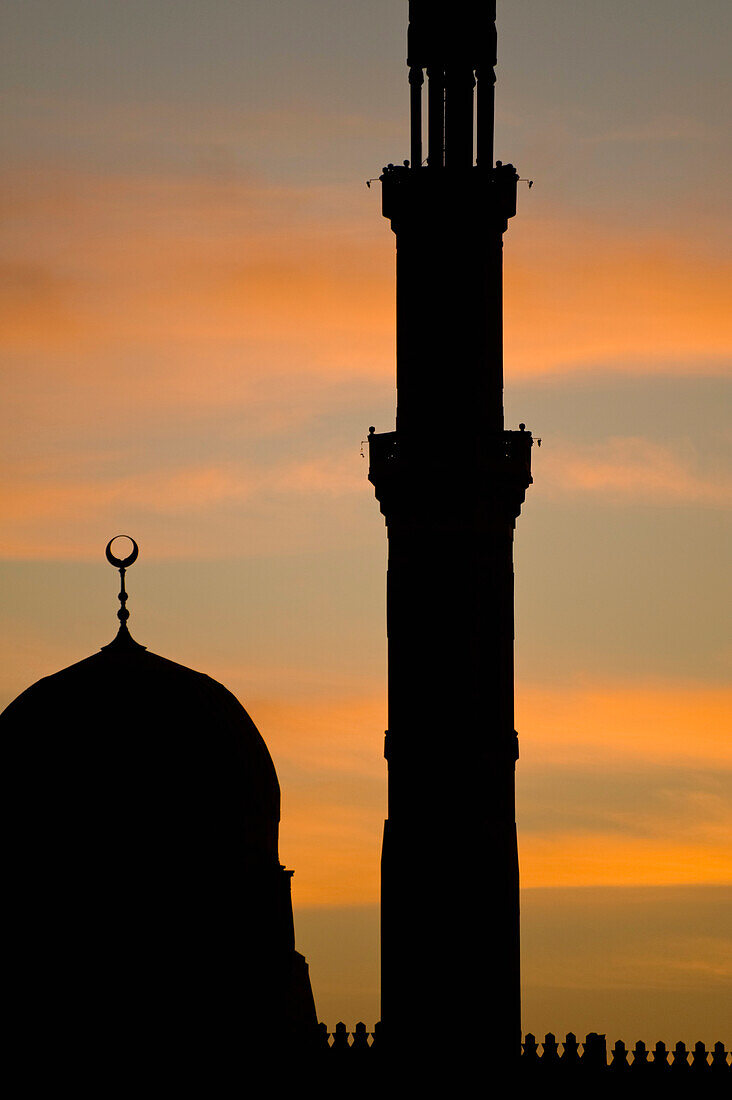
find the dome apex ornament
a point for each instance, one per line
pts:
(124, 638)
(122, 563)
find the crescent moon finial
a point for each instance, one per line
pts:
(124, 638)
(122, 563)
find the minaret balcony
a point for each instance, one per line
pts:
(422, 192)
(517, 454)
(499, 465)
(383, 451)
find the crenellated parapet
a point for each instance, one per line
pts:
(572, 1066)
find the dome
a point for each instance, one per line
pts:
(129, 733)
(146, 908)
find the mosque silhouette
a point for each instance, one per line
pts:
(150, 917)
(149, 937)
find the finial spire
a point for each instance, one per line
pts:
(124, 638)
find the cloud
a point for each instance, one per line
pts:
(226, 267)
(620, 724)
(192, 490)
(142, 308)
(659, 128)
(595, 859)
(328, 754)
(160, 126)
(582, 294)
(640, 962)
(253, 500)
(628, 469)
(654, 802)
(35, 306)
(617, 785)
(140, 262)
(624, 784)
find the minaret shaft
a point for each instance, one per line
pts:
(450, 481)
(449, 318)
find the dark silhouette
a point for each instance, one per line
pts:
(148, 921)
(148, 938)
(451, 481)
(363, 1064)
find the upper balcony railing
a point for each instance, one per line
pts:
(512, 459)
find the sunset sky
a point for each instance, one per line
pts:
(197, 300)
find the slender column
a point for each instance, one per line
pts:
(436, 119)
(459, 84)
(416, 80)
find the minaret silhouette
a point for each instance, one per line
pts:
(450, 481)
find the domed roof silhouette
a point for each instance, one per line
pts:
(126, 715)
(146, 907)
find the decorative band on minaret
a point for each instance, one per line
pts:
(450, 481)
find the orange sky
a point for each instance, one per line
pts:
(197, 305)
(599, 733)
(98, 261)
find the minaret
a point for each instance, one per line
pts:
(450, 481)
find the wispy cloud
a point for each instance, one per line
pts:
(193, 491)
(140, 261)
(617, 785)
(659, 128)
(260, 500)
(616, 724)
(303, 279)
(76, 494)
(626, 469)
(647, 961)
(584, 294)
(138, 304)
